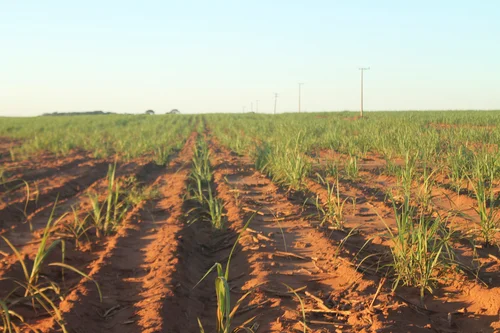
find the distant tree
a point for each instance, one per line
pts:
(174, 111)
(150, 112)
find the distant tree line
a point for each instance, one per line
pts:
(99, 112)
(79, 113)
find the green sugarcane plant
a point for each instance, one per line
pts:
(37, 289)
(224, 312)
(331, 210)
(421, 248)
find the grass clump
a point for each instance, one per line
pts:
(351, 168)
(459, 166)
(285, 163)
(487, 200)
(421, 248)
(161, 155)
(331, 211)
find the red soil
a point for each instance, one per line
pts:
(480, 298)
(150, 269)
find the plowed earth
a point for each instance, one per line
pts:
(289, 270)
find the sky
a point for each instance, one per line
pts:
(224, 56)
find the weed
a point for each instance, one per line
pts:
(302, 307)
(3, 175)
(96, 213)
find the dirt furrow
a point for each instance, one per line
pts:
(458, 210)
(39, 164)
(78, 258)
(27, 197)
(133, 270)
(470, 305)
(286, 250)
(373, 165)
(363, 208)
(26, 236)
(66, 165)
(18, 212)
(245, 277)
(461, 215)
(191, 298)
(199, 248)
(6, 145)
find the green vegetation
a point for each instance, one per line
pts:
(422, 150)
(33, 288)
(331, 211)
(107, 214)
(126, 136)
(284, 162)
(433, 136)
(225, 313)
(422, 248)
(201, 187)
(419, 152)
(485, 170)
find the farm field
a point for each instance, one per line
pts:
(317, 222)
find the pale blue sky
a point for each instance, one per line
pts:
(218, 56)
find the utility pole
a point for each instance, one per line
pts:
(251, 107)
(300, 85)
(257, 106)
(362, 69)
(275, 101)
